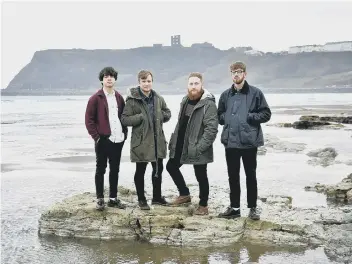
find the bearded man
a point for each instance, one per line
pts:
(192, 141)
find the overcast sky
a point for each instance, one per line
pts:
(267, 26)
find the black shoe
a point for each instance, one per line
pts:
(160, 201)
(100, 204)
(254, 214)
(143, 205)
(230, 213)
(116, 203)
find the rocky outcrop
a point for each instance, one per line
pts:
(305, 124)
(317, 122)
(324, 157)
(314, 122)
(281, 224)
(335, 119)
(276, 144)
(341, 192)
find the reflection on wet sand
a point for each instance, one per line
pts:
(136, 252)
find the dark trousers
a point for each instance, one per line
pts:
(249, 159)
(107, 150)
(173, 167)
(156, 179)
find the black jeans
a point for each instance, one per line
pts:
(249, 159)
(104, 150)
(173, 167)
(156, 180)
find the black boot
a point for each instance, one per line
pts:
(143, 205)
(230, 213)
(116, 203)
(100, 204)
(160, 201)
(254, 214)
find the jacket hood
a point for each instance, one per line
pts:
(135, 94)
(206, 96)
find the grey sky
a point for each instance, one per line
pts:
(267, 26)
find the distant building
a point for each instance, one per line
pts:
(305, 48)
(176, 41)
(202, 45)
(157, 45)
(328, 47)
(338, 46)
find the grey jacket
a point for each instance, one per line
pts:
(200, 134)
(241, 114)
(136, 114)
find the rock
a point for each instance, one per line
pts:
(283, 146)
(324, 157)
(340, 192)
(323, 153)
(336, 119)
(309, 118)
(338, 246)
(309, 124)
(262, 150)
(320, 188)
(317, 122)
(349, 196)
(280, 224)
(77, 217)
(279, 200)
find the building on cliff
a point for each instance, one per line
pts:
(327, 47)
(176, 41)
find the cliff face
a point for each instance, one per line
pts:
(76, 71)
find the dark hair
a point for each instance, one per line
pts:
(238, 65)
(143, 74)
(107, 71)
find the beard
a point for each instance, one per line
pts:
(239, 81)
(195, 95)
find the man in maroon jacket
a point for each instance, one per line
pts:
(102, 120)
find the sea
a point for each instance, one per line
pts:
(47, 156)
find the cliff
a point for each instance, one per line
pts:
(76, 71)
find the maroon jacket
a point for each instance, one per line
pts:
(97, 118)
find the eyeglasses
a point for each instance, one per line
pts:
(237, 72)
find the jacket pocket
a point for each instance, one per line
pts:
(248, 135)
(193, 152)
(225, 135)
(136, 141)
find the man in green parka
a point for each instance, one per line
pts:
(146, 111)
(192, 141)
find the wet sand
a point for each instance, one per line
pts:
(81, 159)
(6, 167)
